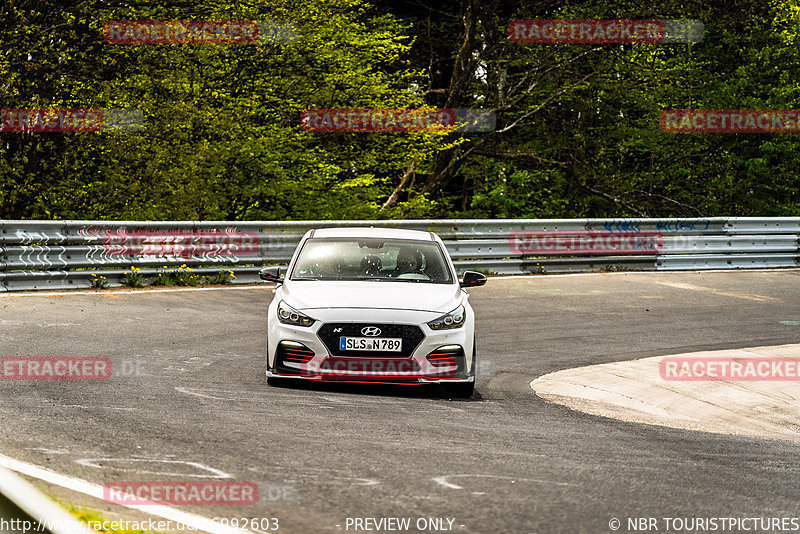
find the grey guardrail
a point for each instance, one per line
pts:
(65, 254)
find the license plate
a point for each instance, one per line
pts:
(388, 344)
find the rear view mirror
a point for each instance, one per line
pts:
(472, 279)
(271, 274)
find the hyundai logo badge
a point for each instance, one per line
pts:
(371, 331)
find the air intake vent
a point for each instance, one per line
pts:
(292, 358)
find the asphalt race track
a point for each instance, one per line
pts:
(505, 461)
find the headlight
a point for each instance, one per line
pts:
(288, 315)
(454, 319)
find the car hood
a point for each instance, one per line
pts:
(316, 294)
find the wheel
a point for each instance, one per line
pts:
(276, 382)
(272, 380)
(464, 390)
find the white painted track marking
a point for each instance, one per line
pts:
(93, 462)
(735, 294)
(443, 480)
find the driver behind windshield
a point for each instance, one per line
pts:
(409, 260)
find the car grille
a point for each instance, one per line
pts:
(412, 336)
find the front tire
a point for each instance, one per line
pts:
(272, 380)
(276, 382)
(464, 390)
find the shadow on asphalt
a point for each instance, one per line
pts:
(424, 391)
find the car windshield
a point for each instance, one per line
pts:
(392, 260)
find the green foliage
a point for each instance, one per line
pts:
(185, 276)
(577, 131)
(182, 276)
(98, 282)
(133, 278)
(222, 137)
(223, 277)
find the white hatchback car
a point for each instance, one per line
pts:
(372, 305)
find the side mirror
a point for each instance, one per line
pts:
(271, 274)
(472, 279)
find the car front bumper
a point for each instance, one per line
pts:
(442, 356)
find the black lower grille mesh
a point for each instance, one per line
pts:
(412, 336)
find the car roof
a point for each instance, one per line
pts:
(369, 232)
